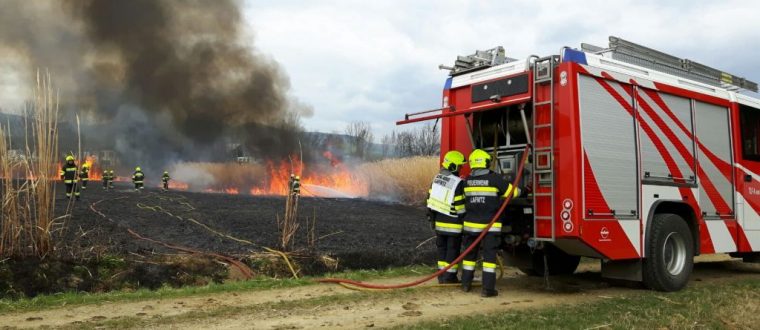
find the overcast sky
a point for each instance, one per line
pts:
(375, 61)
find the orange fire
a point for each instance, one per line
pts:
(96, 173)
(177, 185)
(322, 181)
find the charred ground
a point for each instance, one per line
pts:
(96, 251)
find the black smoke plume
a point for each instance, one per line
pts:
(157, 81)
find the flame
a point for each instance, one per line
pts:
(315, 182)
(96, 173)
(177, 185)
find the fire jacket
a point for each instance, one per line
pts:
(69, 173)
(483, 191)
(138, 177)
(84, 174)
(446, 202)
(165, 178)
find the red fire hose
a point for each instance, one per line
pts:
(458, 259)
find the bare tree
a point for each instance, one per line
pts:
(422, 141)
(361, 137)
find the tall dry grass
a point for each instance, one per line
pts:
(28, 202)
(404, 179)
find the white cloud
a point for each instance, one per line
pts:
(375, 61)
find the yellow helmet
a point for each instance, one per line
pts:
(137, 169)
(298, 177)
(453, 160)
(479, 159)
(85, 165)
(69, 158)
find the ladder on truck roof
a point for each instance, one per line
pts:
(629, 52)
(543, 149)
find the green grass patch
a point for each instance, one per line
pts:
(262, 283)
(717, 305)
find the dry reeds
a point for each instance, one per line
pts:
(404, 179)
(288, 224)
(29, 201)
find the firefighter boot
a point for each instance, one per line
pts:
(486, 293)
(467, 276)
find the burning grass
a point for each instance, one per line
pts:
(215, 177)
(403, 179)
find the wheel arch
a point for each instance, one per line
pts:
(680, 208)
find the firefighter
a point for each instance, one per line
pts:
(483, 191)
(69, 177)
(138, 178)
(445, 210)
(165, 179)
(106, 177)
(111, 177)
(84, 175)
(295, 187)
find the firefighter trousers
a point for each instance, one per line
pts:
(84, 184)
(490, 245)
(105, 183)
(138, 185)
(448, 249)
(166, 185)
(72, 189)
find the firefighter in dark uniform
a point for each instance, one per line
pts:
(483, 191)
(111, 177)
(445, 210)
(84, 175)
(165, 179)
(138, 178)
(69, 177)
(296, 186)
(106, 177)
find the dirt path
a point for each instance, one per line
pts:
(330, 306)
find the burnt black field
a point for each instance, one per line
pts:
(95, 251)
(359, 233)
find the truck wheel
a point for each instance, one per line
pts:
(670, 253)
(559, 262)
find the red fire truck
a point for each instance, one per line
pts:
(639, 158)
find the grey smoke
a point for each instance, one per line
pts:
(156, 80)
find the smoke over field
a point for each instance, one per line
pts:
(157, 81)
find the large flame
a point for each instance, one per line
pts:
(318, 180)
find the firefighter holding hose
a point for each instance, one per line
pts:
(483, 191)
(445, 210)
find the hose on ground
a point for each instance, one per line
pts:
(245, 270)
(480, 237)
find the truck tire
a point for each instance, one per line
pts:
(670, 253)
(559, 262)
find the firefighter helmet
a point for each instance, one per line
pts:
(479, 159)
(166, 172)
(298, 178)
(453, 160)
(85, 165)
(69, 158)
(137, 169)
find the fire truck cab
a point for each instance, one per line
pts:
(637, 158)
